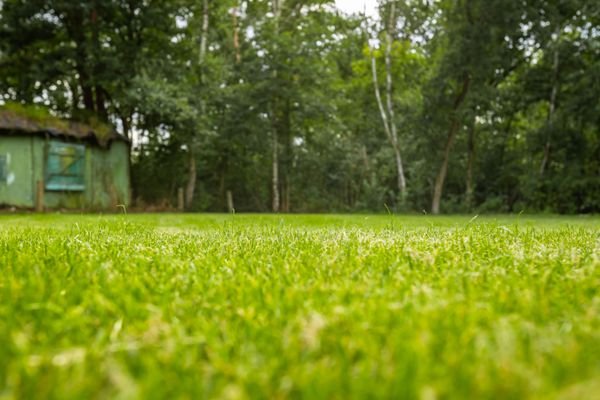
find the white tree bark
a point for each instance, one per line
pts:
(390, 103)
(551, 109)
(275, 197)
(236, 34)
(204, 37)
(387, 113)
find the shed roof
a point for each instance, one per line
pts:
(13, 122)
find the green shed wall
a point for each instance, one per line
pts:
(16, 190)
(106, 175)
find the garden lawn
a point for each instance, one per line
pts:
(306, 306)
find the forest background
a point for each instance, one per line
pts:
(294, 106)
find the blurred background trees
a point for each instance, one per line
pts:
(491, 104)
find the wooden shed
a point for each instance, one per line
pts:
(59, 164)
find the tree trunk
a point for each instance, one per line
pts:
(73, 21)
(222, 191)
(275, 171)
(86, 89)
(100, 104)
(387, 113)
(286, 158)
(550, 116)
(400, 172)
(441, 176)
(191, 183)
(74, 87)
(204, 36)
(454, 125)
(275, 184)
(192, 173)
(286, 197)
(126, 122)
(470, 162)
(230, 207)
(236, 35)
(390, 103)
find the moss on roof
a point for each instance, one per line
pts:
(15, 117)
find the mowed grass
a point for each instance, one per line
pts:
(315, 307)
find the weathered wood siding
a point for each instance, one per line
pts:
(106, 175)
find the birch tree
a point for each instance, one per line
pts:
(551, 107)
(386, 112)
(276, 6)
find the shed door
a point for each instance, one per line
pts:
(65, 166)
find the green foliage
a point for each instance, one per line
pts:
(302, 75)
(299, 307)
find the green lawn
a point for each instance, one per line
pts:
(315, 307)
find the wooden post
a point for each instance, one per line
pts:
(180, 204)
(230, 208)
(39, 196)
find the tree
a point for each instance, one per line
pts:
(475, 55)
(455, 105)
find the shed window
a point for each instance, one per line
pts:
(65, 166)
(3, 168)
